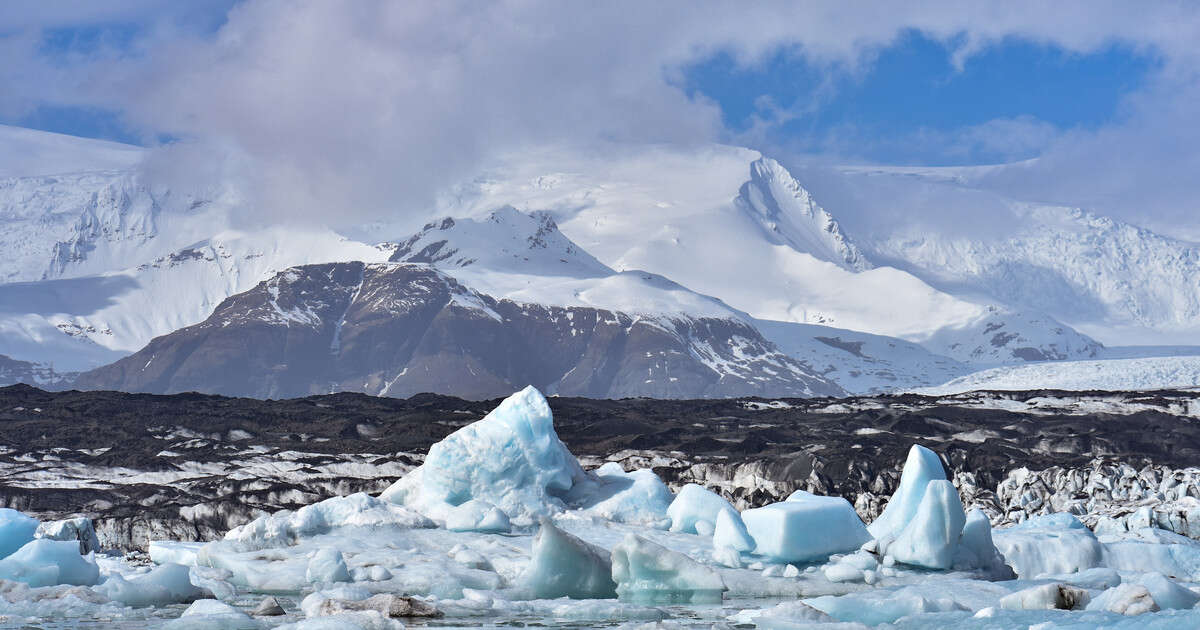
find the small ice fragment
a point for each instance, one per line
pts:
(327, 565)
(650, 573)
(269, 607)
(731, 532)
(564, 566)
(696, 503)
(1046, 597)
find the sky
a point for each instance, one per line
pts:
(373, 107)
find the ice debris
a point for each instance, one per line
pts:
(1046, 597)
(16, 529)
(730, 532)
(564, 566)
(646, 572)
(1125, 599)
(163, 585)
(78, 528)
(48, 563)
(695, 508)
(477, 515)
(326, 566)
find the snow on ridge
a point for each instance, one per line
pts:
(1105, 374)
(33, 153)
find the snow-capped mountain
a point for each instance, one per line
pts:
(526, 258)
(400, 328)
(730, 223)
(1114, 281)
(100, 262)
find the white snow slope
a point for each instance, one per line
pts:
(97, 263)
(1113, 375)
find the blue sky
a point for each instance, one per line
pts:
(899, 106)
(912, 87)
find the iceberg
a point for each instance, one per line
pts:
(48, 563)
(921, 467)
(696, 508)
(931, 537)
(652, 574)
(564, 566)
(16, 529)
(1049, 545)
(512, 458)
(78, 528)
(805, 527)
(731, 533)
(163, 585)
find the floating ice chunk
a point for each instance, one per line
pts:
(386, 604)
(359, 620)
(856, 567)
(211, 614)
(874, 608)
(327, 565)
(357, 510)
(650, 573)
(1167, 593)
(79, 529)
(16, 529)
(783, 616)
(921, 467)
(804, 528)
(1156, 550)
(727, 557)
(694, 504)
(163, 585)
(1046, 597)
(512, 458)
(50, 562)
(1049, 545)
(169, 551)
(977, 550)
(637, 497)
(377, 573)
(564, 566)
(931, 536)
(1126, 599)
(731, 532)
(269, 607)
(477, 515)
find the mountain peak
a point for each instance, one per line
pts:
(789, 215)
(508, 240)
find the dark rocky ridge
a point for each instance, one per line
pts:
(399, 329)
(191, 466)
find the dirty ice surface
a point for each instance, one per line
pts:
(501, 526)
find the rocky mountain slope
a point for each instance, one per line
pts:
(398, 329)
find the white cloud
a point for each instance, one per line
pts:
(367, 109)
